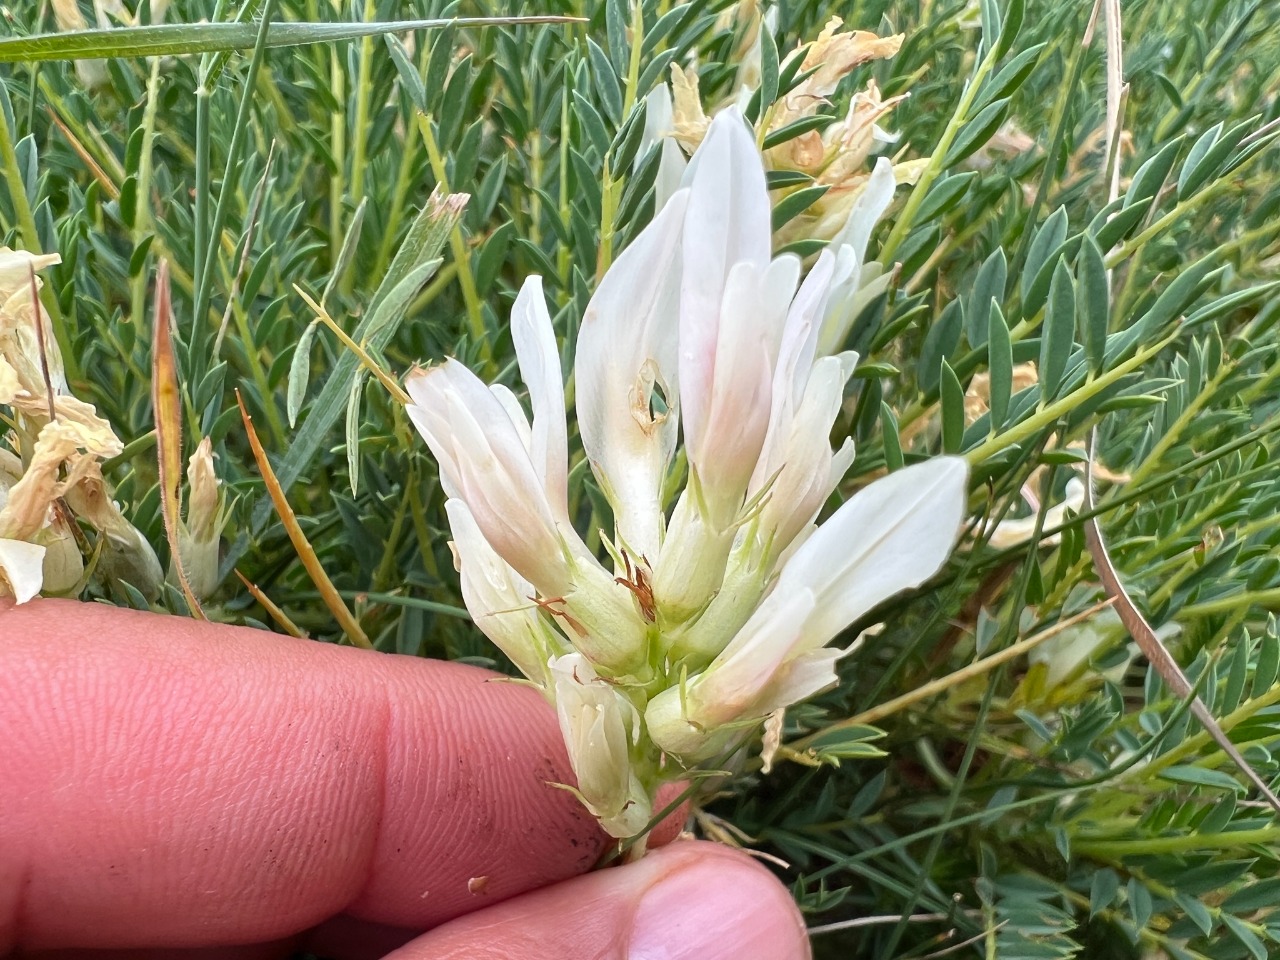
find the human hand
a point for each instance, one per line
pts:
(174, 789)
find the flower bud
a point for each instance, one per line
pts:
(599, 726)
(198, 537)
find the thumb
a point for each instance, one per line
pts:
(688, 901)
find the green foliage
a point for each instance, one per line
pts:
(1055, 804)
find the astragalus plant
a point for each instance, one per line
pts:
(984, 758)
(709, 621)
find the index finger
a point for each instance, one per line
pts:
(172, 783)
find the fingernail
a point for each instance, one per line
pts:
(717, 909)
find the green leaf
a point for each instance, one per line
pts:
(988, 285)
(615, 26)
(777, 179)
(1178, 294)
(353, 429)
(607, 88)
(1196, 173)
(1103, 890)
(1140, 905)
(1094, 302)
(1255, 895)
(592, 124)
(944, 195)
(1196, 910)
(1151, 175)
(410, 79)
(1109, 232)
(391, 308)
(347, 252)
(999, 365)
(179, 39)
(421, 246)
(940, 342)
(892, 442)
(1202, 777)
(1246, 936)
(798, 128)
(794, 204)
(1237, 673)
(768, 67)
(622, 151)
(299, 373)
(1057, 334)
(951, 395)
(1268, 665)
(1048, 238)
(1012, 75)
(977, 131)
(1204, 143)
(1232, 301)
(1012, 25)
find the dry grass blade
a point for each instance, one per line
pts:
(1152, 647)
(362, 355)
(272, 608)
(41, 345)
(1141, 631)
(166, 406)
(92, 165)
(306, 553)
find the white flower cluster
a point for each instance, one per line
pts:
(716, 612)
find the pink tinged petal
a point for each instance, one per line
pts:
(499, 599)
(626, 357)
(891, 536)
(801, 678)
(803, 475)
(725, 445)
(539, 359)
(519, 419)
(21, 568)
(736, 684)
(728, 222)
(483, 461)
(795, 363)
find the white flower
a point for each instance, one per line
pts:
(599, 726)
(659, 127)
(721, 615)
(627, 395)
(891, 536)
(513, 476)
(501, 602)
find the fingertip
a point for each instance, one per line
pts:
(715, 903)
(691, 900)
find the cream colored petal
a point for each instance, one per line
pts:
(688, 121)
(27, 509)
(21, 569)
(15, 267)
(93, 434)
(9, 384)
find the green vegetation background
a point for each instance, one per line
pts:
(1087, 816)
